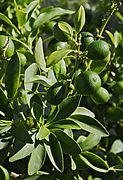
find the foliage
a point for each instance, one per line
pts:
(49, 129)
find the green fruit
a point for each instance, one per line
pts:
(87, 83)
(59, 34)
(6, 46)
(56, 93)
(98, 50)
(114, 113)
(118, 87)
(119, 75)
(4, 174)
(101, 96)
(55, 45)
(86, 40)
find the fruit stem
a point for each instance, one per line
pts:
(114, 7)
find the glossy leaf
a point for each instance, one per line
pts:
(22, 43)
(36, 160)
(8, 21)
(65, 27)
(20, 151)
(30, 8)
(65, 124)
(79, 19)
(3, 100)
(48, 15)
(117, 38)
(20, 132)
(117, 146)
(36, 105)
(68, 144)
(21, 17)
(54, 151)
(5, 125)
(90, 124)
(94, 161)
(41, 80)
(83, 111)
(12, 76)
(57, 56)
(70, 104)
(30, 72)
(91, 141)
(39, 55)
(110, 36)
(4, 174)
(42, 133)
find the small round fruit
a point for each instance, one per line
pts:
(118, 87)
(56, 93)
(59, 34)
(101, 96)
(4, 174)
(86, 40)
(87, 83)
(98, 50)
(114, 113)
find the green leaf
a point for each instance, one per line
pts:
(66, 27)
(3, 100)
(54, 151)
(68, 144)
(22, 43)
(90, 124)
(36, 105)
(94, 161)
(117, 38)
(110, 36)
(91, 160)
(91, 141)
(65, 124)
(3, 144)
(42, 133)
(30, 72)
(48, 15)
(70, 104)
(5, 129)
(41, 80)
(20, 132)
(4, 174)
(99, 66)
(21, 17)
(20, 151)
(83, 111)
(117, 146)
(60, 69)
(7, 20)
(30, 8)
(12, 76)
(119, 16)
(39, 55)
(79, 19)
(57, 56)
(36, 160)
